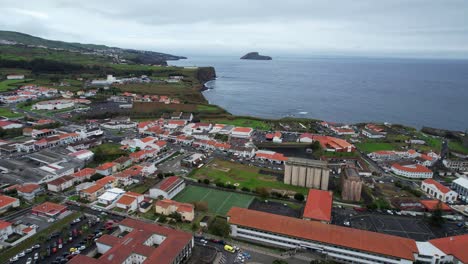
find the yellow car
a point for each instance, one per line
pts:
(229, 248)
(73, 250)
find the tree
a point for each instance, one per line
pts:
(436, 218)
(206, 181)
(262, 191)
(220, 227)
(195, 226)
(176, 216)
(96, 177)
(279, 261)
(201, 206)
(299, 196)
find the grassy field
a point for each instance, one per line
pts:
(219, 202)
(244, 122)
(369, 147)
(8, 113)
(245, 176)
(457, 147)
(5, 85)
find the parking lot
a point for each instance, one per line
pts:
(59, 246)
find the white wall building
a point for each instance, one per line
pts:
(460, 186)
(438, 191)
(167, 188)
(414, 171)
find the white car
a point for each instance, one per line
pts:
(36, 256)
(29, 261)
(347, 223)
(21, 254)
(82, 247)
(13, 259)
(389, 212)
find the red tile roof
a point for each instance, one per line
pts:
(84, 173)
(49, 208)
(454, 245)
(106, 180)
(438, 185)
(318, 205)
(132, 243)
(432, 205)
(106, 166)
(367, 241)
(242, 130)
(28, 187)
(126, 200)
(271, 156)
(4, 224)
(412, 168)
(168, 183)
(93, 188)
(332, 142)
(6, 200)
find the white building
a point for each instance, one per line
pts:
(437, 190)
(110, 196)
(167, 188)
(456, 164)
(15, 77)
(5, 230)
(460, 186)
(9, 125)
(242, 132)
(54, 104)
(414, 171)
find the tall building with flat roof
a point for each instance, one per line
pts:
(351, 184)
(307, 173)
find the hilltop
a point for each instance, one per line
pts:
(117, 55)
(255, 56)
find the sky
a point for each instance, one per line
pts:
(414, 28)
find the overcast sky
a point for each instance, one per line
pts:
(350, 27)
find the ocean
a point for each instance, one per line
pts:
(414, 92)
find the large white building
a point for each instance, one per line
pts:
(437, 190)
(342, 244)
(414, 171)
(242, 132)
(460, 186)
(167, 188)
(54, 104)
(456, 164)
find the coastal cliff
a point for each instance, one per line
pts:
(255, 56)
(205, 74)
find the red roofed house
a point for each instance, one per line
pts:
(129, 201)
(60, 184)
(454, 246)
(142, 243)
(318, 206)
(92, 193)
(336, 243)
(84, 174)
(277, 137)
(29, 191)
(242, 132)
(334, 144)
(432, 205)
(7, 202)
(437, 190)
(9, 125)
(108, 182)
(415, 171)
(167, 188)
(168, 207)
(306, 138)
(49, 209)
(5, 230)
(271, 156)
(107, 168)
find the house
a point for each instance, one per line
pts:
(107, 168)
(7, 202)
(432, 205)
(5, 230)
(54, 104)
(168, 207)
(437, 190)
(29, 191)
(277, 137)
(374, 131)
(454, 247)
(130, 201)
(242, 132)
(167, 188)
(110, 196)
(49, 209)
(306, 138)
(92, 193)
(271, 156)
(83, 154)
(84, 174)
(123, 162)
(108, 182)
(61, 184)
(15, 77)
(414, 171)
(318, 206)
(9, 125)
(342, 130)
(141, 242)
(333, 144)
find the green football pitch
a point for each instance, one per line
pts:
(219, 202)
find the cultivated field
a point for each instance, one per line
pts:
(219, 202)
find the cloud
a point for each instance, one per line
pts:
(420, 27)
